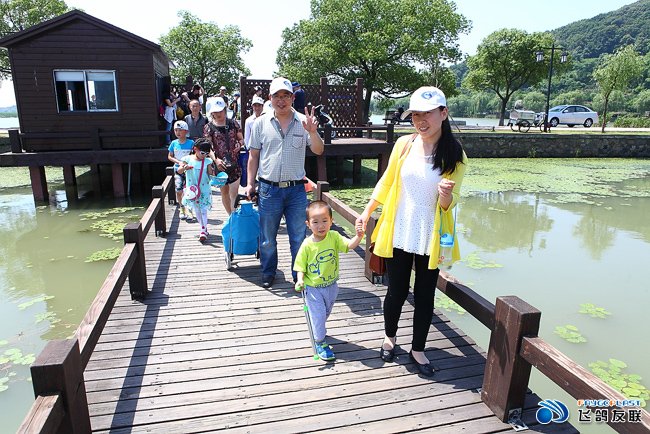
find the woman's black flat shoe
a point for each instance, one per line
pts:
(387, 355)
(426, 369)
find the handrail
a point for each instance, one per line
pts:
(577, 381)
(514, 345)
(57, 373)
(45, 415)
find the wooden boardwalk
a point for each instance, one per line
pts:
(209, 349)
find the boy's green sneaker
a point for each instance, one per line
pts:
(183, 214)
(325, 351)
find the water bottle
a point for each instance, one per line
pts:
(446, 247)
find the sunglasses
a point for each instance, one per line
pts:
(204, 153)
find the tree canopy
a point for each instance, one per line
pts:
(394, 46)
(616, 72)
(211, 55)
(505, 62)
(19, 15)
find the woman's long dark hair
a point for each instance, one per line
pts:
(449, 151)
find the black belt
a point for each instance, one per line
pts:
(283, 184)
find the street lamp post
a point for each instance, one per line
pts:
(539, 56)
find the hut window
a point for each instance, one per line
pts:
(85, 91)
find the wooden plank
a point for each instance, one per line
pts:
(577, 381)
(470, 300)
(45, 415)
(39, 182)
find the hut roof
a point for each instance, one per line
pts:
(68, 17)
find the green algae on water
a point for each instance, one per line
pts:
(446, 303)
(570, 333)
(593, 310)
(39, 299)
(612, 373)
(473, 260)
(104, 255)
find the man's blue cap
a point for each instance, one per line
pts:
(295, 84)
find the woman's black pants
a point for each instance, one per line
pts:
(399, 277)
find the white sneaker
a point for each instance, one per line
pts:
(190, 215)
(183, 214)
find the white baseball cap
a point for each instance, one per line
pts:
(280, 83)
(257, 100)
(215, 105)
(181, 125)
(425, 99)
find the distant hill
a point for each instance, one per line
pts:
(11, 109)
(606, 32)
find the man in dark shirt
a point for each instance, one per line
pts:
(299, 98)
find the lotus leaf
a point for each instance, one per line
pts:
(446, 303)
(628, 384)
(617, 363)
(33, 301)
(3, 342)
(474, 261)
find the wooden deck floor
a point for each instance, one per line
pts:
(210, 349)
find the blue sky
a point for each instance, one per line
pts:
(262, 21)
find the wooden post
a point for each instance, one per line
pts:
(390, 133)
(321, 187)
(39, 183)
(321, 166)
(118, 180)
(356, 169)
(58, 369)
(327, 133)
(382, 164)
(340, 172)
(507, 373)
(96, 179)
(171, 194)
(138, 274)
(160, 224)
(361, 118)
(14, 141)
(324, 92)
(70, 182)
(370, 227)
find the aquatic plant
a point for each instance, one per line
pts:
(570, 333)
(628, 384)
(47, 316)
(104, 255)
(446, 303)
(593, 311)
(94, 215)
(39, 299)
(473, 260)
(16, 356)
(3, 384)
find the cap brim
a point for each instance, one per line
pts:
(410, 111)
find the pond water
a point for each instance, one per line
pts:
(557, 233)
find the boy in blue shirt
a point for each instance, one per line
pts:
(317, 265)
(179, 148)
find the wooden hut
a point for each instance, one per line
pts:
(82, 84)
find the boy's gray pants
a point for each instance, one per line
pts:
(319, 302)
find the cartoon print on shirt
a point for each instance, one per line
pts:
(324, 257)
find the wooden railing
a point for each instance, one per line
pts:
(57, 373)
(514, 346)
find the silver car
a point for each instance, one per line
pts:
(571, 115)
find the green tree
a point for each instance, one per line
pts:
(534, 101)
(19, 15)
(616, 72)
(394, 46)
(505, 62)
(211, 55)
(642, 102)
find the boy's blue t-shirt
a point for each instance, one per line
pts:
(181, 150)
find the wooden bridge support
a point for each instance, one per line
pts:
(118, 180)
(160, 225)
(505, 381)
(70, 182)
(58, 370)
(39, 183)
(171, 194)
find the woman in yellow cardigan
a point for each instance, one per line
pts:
(418, 192)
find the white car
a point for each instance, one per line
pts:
(571, 115)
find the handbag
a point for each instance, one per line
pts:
(377, 263)
(193, 192)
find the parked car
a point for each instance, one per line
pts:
(571, 115)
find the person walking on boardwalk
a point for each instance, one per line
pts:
(179, 148)
(279, 139)
(418, 191)
(227, 139)
(197, 167)
(317, 266)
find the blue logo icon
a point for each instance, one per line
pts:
(427, 95)
(552, 410)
